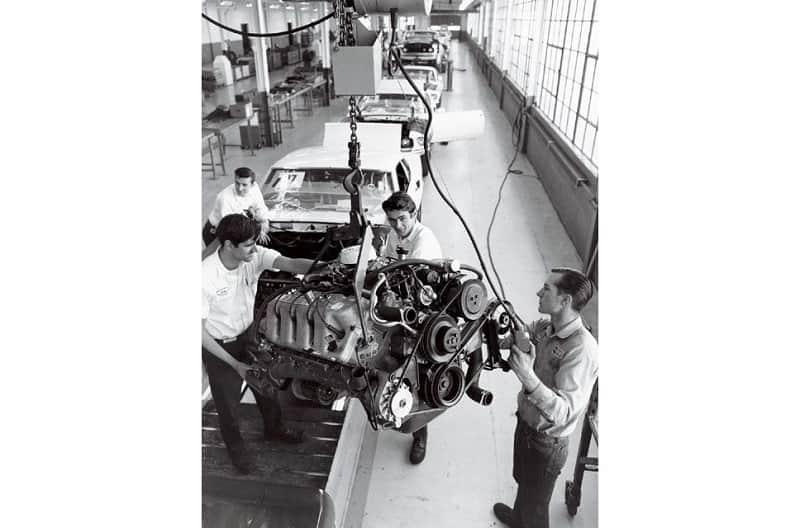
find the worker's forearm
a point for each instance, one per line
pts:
(215, 349)
(298, 266)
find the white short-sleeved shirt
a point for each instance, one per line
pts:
(228, 202)
(421, 243)
(229, 295)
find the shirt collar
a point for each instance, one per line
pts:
(569, 329)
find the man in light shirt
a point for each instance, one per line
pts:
(230, 277)
(557, 377)
(242, 196)
(409, 238)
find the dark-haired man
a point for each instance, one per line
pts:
(230, 278)
(408, 237)
(557, 377)
(242, 196)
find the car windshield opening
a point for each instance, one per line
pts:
(404, 105)
(306, 190)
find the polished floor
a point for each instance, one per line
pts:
(468, 464)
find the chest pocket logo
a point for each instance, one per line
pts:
(223, 291)
(557, 357)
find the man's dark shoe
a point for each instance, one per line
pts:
(417, 454)
(285, 435)
(244, 463)
(505, 514)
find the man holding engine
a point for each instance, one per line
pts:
(557, 377)
(230, 277)
(409, 239)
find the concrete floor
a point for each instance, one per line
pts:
(468, 465)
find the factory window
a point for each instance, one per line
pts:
(472, 25)
(522, 43)
(499, 34)
(568, 91)
(486, 15)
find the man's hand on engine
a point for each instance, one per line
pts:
(241, 369)
(263, 236)
(522, 365)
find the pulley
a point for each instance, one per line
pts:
(442, 338)
(471, 301)
(444, 385)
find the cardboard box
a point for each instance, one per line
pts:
(357, 69)
(241, 109)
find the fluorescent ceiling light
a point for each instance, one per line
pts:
(464, 4)
(226, 3)
(274, 7)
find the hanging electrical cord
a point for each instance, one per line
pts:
(277, 34)
(516, 142)
(439, 190)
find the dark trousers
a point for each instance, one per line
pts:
(421, 433)
(209, 233)
(538, 460)
(225, 386)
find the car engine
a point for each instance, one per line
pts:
(405, 337)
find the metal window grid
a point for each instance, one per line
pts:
(567, 93)
(499, 33)
(522, 45)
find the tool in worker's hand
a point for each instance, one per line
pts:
(522, 339)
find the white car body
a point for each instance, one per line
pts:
(304, 189)
(423, 47)
(427, 78)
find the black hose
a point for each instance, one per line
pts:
(277, 34)
(436, 185)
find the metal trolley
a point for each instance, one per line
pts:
(572, 492)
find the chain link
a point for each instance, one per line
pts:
(347, 38)
(345, 18)
(354, 147)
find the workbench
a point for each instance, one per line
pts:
(216, 130)
(304, 91)
(210, 136)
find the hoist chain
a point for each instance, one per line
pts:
(353, 147)
(345, 18)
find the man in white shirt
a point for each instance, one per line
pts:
(408, 236)
(230, 277)
(240, 196)
(411, 239)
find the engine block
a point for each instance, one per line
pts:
(409, 348)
